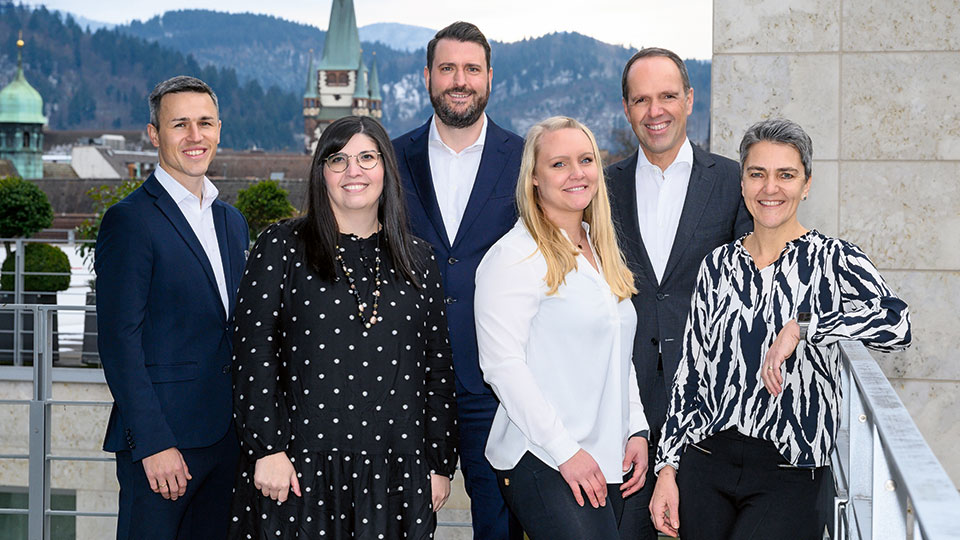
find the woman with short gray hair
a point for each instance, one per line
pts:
(755, 404)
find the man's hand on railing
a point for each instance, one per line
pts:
(167, 473)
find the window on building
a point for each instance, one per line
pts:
(27, 143)
(14, 526)
(338, 78)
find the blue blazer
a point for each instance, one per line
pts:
(491, 212)
(713, 214)
(163, 334)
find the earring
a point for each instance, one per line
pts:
(803, 198)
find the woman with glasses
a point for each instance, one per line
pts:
(343, 380)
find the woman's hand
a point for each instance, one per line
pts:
(275, 477)
(635, 455)
(665, 503)
(440, 489)
(783, 346)
(581, 471)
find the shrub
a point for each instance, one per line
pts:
(103, 197)
(38, 258)
(24, 209)
(262, 204)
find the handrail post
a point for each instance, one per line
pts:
(38, 525)
(18, 269)
(889, 499)
(860, 463)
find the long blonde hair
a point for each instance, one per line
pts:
(559, 252)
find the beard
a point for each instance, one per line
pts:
(453, 118)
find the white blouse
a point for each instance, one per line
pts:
(560, 364)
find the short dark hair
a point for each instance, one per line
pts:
(461, 31)
(174, 85)
(319, 228)
(781, 131)
(656, 51)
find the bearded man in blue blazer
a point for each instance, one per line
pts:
(169, 259)
(459, 172)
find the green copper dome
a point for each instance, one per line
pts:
(20, 103)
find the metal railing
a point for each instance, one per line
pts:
(39, 453)
(888, 482)
(73, 334)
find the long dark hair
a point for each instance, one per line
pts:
(318, 227)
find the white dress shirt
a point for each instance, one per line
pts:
(200, 217)
(560, 364)
(453, 175)
(660, 196)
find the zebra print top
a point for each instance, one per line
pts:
(737, 311)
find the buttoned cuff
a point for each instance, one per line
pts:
(562, 448)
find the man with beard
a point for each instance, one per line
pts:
(459, 172)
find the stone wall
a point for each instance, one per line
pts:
(875, 84)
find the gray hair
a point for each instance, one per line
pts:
(175, 85)
(651, 52)
(782, 131)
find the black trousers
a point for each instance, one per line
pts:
(541, 499)
(737, 487)
(202, 513)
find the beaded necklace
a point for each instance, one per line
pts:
(361, 305)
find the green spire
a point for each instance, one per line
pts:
(311, 91)
(374, 82)
(342, 43)
(361, 91)
(20, 103)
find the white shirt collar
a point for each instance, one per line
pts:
(685, 155)
(179, 193)
(434, 136)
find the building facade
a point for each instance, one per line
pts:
(21, 123)
(875, 85)
(341, 84)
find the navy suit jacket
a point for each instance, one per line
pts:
(713, 214)
(491, 212)
(163, 334)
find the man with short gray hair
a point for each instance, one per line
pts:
(168, 260)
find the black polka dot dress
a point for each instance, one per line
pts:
(364, 414)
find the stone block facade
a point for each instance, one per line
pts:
(875, 84)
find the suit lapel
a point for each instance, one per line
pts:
(698, 193)
(492, 162)
(418, 161)
(173, 214)
(220, 224)
(626, 173)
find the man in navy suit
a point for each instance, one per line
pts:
(459, 171)
(673, 203)
(169, 258)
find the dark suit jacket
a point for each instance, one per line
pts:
(491, 212)
(164, 338)
(713, 214)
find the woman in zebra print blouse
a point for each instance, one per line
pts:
(755, 404)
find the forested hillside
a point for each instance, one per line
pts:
(258, 66)
(102, 79)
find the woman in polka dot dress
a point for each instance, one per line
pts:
(343, 380)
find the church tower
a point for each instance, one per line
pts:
(21, 123)
(340, 85)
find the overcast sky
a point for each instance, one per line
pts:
(682, 25)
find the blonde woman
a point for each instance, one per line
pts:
(555, 332)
